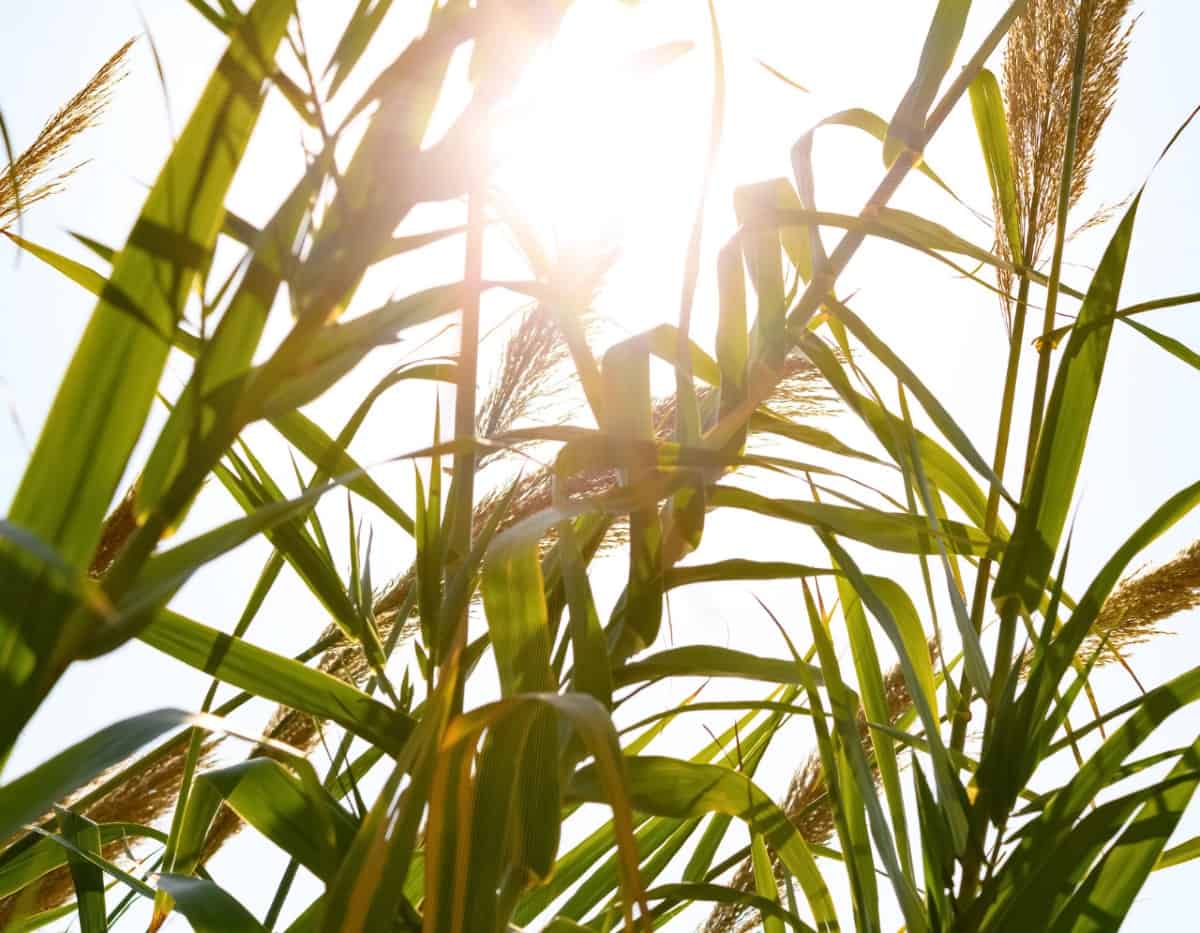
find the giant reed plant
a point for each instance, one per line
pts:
(473, 822)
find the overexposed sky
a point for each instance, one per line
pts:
(621, 161)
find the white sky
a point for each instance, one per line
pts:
(630, 161)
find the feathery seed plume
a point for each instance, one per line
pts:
(35, 174)
(1037, 77)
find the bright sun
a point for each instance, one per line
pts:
(605, 140)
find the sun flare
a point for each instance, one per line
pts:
(604, 142)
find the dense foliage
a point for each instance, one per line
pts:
(480, 696)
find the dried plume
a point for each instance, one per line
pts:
(530, 380)
(38, 172)
(1137, 607)
(1038, 76)
(118, 526)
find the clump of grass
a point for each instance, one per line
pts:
(514, 763)
(38, 172)
(1132, 614)
(801, 388)
(808, 805)
(529, 362)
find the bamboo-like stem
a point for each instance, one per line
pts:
(686, 416)
(463, 497)
(281, 893)
(1039, 72)
(1006, 641)
(1037, 409)
(462, 489)
(962, 715)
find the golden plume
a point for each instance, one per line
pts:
(36, 173)
(1037, 77)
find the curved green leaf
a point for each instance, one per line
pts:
(669, 787)
(709, 661)
(907, 127)
(889, 531)
(104, 399)
(88, 879)
(1051, 486)
(276, 678)
(298, 816)
(991, 123)
(208, 908)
